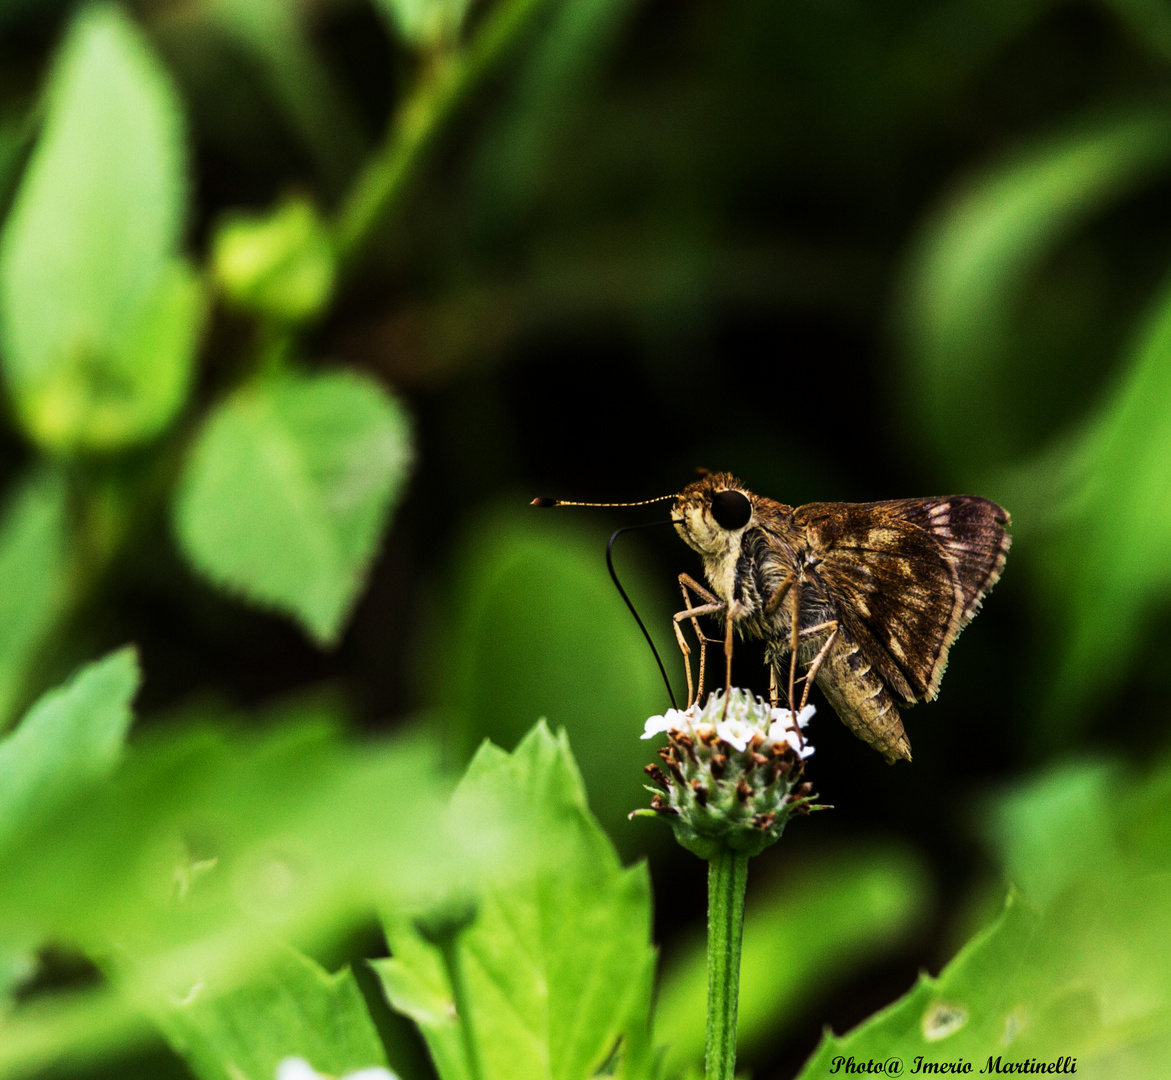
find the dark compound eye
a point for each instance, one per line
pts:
(731, 509)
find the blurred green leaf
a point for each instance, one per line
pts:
(15, 138)
(556, 963)
(287, 491)
(69, 1030)
(536, 628)
(294, 1008)
(34, 540)
(279, 264)
(825, 921)
(207, 849)
(967, 276)
(272, 34)
(1148, 20)
(98, 317)
(70, 738)
(515, 159)
(1054, 830)
(426, 23)
(1090, 507)
(1101, 503)
(1079, 968)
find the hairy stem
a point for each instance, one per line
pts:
(727, 877)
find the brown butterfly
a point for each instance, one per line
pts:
(867, 598)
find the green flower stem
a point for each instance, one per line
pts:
(422, 119)
(727, 877)
(449, 947)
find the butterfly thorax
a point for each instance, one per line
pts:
(746, 566)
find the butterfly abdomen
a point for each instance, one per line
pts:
(862, 700)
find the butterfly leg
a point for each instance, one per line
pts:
(778, 597)
(818, 660)
(688, 585)
(727, 658)
(715, 604)
(685, 649)
(794, 639)
(687, 582)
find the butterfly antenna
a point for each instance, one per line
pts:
(622, 591)
(544, 502)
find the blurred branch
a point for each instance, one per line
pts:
(449, 82)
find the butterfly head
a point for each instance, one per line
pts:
(711, 514)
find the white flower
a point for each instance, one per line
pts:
(735, 733)
(675, 720)
(783, 730)
(295, 1068)
(655, 725)
(798, 745)
(784, 717)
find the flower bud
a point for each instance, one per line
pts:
(280, 265)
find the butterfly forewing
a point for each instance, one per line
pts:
(907, 576)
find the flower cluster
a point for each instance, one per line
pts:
(733, 774)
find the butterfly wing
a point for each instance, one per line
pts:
(906, 576)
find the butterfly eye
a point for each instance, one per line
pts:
(731, 509)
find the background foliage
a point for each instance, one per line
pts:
(302, 300)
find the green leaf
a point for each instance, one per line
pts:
(968, 272)
(34, 542)
(1083, 973)
(99, 318)
(825, 921)
(975, 1008)
(288, 489)
(1054, 829)
(294, 1008)
(426, 22)
(556, 963)
(536, 628)
(1089, 508)
(71, 737)
(516, 159)
(208, 848)
(1101, 504)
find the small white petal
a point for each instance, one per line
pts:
(777, 731)
(735, 733)
(371, 1074)
(295, 1068)
(655, 725)
(805, 715)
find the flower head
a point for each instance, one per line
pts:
(733, 772)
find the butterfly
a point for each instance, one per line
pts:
(867, 598)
